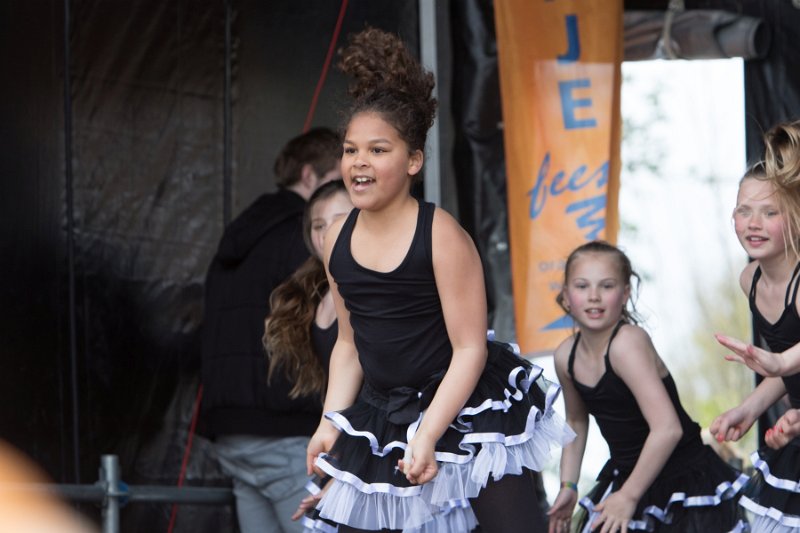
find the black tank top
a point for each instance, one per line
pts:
(396, 316)
(621, 421)
(784, 333)
(322, 341)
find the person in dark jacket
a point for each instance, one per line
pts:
(259, 431)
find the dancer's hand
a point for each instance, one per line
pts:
(560, 513)
(321, 442)
(785, 429)
(310, 501)
(732, 424)
(766, 363)
(615, 513)
(306, 504)
(422, 467)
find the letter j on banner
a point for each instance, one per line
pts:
(560, 66)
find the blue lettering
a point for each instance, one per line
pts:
(573, 41)
(592, 206)
(579, 179)
(574, 183)
(570, 104)
(539, 192)
(603, 170)
(555, 190)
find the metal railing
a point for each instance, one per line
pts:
(112, 493)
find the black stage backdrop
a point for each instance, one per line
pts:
(118, 175)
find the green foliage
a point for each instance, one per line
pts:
(709, 384)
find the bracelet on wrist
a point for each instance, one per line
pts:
(569, 485)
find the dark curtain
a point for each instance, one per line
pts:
(118, 170)
(478, 157)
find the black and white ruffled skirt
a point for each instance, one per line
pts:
(698, 497)
(508, 424)
(772, 495)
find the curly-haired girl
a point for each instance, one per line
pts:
(426, 425)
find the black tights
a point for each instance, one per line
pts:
(508, 505)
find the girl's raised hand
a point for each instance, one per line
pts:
(731, 425)
(785, 429)
(766, 363)
(560, 514)
(615, 513)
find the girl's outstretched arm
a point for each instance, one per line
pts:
(345, 374)
(560, 514)
(459, 281)
(766, 363)
(635, 361)
(734, 423)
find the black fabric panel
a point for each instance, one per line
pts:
(34, 358)
(772, 84)
(147, 106)
(478, 156)
(281, 47)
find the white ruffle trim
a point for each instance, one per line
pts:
(352, 501)
(769, 519)
(317, 526)
(724, 491)
(456, 516)
(442, 505)
(789, 485)
(512, 392)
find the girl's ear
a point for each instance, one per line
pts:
(415, 162)
(563, 299)
(627, 296)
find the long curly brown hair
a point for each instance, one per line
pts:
(287, 331)
(386, 79)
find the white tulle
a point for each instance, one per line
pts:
(441, 505)
(363, 505)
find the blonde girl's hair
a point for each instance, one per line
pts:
(627, 274)
(293, 304)
(386, 79)
(782, 167)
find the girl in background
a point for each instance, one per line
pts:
(767, 224)
(660, 476)
(424, 422)
(301, 330)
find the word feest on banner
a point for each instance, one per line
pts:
(559, 64)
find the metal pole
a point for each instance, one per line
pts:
(70, 213)
(427, 39)
(110, 479)
(226, 122)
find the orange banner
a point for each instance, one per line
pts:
(560, 71)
